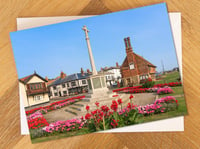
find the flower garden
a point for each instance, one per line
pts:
(104, 117)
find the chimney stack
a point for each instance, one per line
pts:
(117, 65)
(46, 78)
(82, 72)
(62, 75)
(128, 44)
(88, 71)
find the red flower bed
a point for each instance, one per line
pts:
(139, 89)
(127, 88)
(37, 123)
(171, 84)
(51, 106)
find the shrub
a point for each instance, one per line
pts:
(148, 83)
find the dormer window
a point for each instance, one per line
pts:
(35, 86)
(131, 66)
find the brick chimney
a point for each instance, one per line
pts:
(88, 71)
(46, 78)
(128, 45)
(117, 65)
(62, 75)
(82, 72)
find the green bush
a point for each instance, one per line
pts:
(148, 83)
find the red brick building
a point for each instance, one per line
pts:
(135, 68)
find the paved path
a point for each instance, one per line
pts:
(61, 114)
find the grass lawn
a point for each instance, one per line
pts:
(182, 110)
(60, 135)
(169, 77)
(178, 90)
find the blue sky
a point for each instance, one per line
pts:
(62, 47)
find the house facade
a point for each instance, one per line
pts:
(69, 85)
(33, 90)
(135, 69)
(112, 75)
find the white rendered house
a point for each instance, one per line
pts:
(33, 90)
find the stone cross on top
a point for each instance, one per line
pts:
(94, 71)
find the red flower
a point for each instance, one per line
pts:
(131, 96)
(114, 123)
(114, 106)
(176, 101)
(94, 112)
(87, 116)
(87, 108)
(119, 101)
(149, 79)
(104, 108)
(129, 105)
(115, 95)
(97, 104)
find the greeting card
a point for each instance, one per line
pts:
(114, 82)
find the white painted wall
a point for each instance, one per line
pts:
(23, 94)
(45, 98)
(35, 79)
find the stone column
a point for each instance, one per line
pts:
(94, 71)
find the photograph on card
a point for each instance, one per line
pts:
(98, 73)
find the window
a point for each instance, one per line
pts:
(143, 77)
(140, 77)
(131, 66)
(63, 85)
(149, 69)
(54, 87)
(35, 86)
(83, 81)
(128, 80)
(55, 94)
(38, 98)
(108, 77)
(73, 83)
(64, 92)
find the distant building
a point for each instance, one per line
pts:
(135, 69)
(69, 85)
(175, 69)
(112, 74)
(33, 89)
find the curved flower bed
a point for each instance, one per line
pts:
(55, 105)
(139, 89)
(127, 88)
(171, 84)
(36, 121)
(161, 105)
(62, 126)
(102, 118)
(165, 90)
